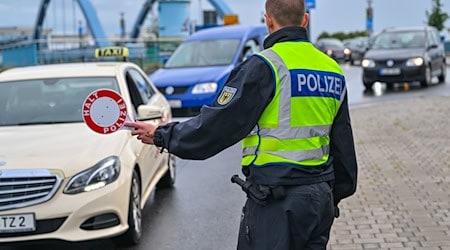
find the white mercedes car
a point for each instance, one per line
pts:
(58, 178)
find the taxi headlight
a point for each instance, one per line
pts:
(368, 63)
(418, 61)
(203, 88)
(101, 174)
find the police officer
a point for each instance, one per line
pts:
(288, 106)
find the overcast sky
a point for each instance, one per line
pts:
(329, 15)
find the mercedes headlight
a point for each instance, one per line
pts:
(368, 63)
(418, 61)
(101, 174)
(204, 88)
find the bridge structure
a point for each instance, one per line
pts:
(173, 16)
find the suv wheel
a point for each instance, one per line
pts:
(427, 78)
(443, 73)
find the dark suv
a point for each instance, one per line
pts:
(405, 54)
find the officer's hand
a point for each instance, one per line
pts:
(144, 131)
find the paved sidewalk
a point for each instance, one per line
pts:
(403, 196)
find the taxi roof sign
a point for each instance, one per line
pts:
(112, 52)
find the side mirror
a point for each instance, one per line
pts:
(442, 38)
(148, 112)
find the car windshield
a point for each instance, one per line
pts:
(400, 40)
(356, 42)
(204, 53)
(332, 44)
(47, 101)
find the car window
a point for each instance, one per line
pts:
(144, 88)
(433, 38)
(204, 53)
(43, 101)
(400, 40)
(250, 47)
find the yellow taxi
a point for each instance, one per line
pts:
(59, 179)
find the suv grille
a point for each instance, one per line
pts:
(23, 188)
(177, 90)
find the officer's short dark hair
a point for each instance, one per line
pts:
(286, 12)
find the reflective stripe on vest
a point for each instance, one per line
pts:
(295, 126)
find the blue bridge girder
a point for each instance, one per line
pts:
(141, 18)
(90, 15)
(220, 6)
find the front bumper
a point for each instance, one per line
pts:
(406, 74)
(63, 216)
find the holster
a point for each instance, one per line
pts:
(261, 194)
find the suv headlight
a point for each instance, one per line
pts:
(203, 88)
(368, 63)
(418, 61)
(101, 174)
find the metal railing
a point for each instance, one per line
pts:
(149, 54)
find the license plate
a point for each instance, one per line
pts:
(390, 71)
(17, 223)
(175, 103)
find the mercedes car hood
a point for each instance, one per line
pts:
(67, 147)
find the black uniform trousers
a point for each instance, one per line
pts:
(302, 220)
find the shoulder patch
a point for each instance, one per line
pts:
(226, 95)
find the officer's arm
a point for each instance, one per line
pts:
(227, 121)
(342, 150)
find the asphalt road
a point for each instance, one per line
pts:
(203, 210)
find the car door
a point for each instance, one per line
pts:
(434, 51)
(142, 93)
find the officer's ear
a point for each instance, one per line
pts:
(305, 20)
(269, 22)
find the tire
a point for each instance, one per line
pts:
(368, 85)
(133, 235)
(443, 73)
(390, 86)
(427, 78)
(168, 180)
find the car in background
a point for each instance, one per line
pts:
(358, 47)
(58, 178)
(200, 66)
(334, 48)
(405, 54)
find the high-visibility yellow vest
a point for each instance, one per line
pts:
(294, 129)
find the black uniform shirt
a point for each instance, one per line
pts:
(220, 126)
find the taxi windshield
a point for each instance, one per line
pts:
(204, 53)
(48, 101)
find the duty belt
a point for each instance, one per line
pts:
(261, 194)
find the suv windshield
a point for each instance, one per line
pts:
(400, 40)
(204, 53)
(47, 101)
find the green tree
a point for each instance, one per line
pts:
(437, 17)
